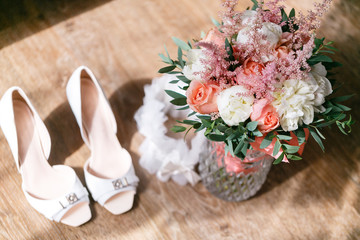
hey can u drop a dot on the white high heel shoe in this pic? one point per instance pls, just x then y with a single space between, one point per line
109 172
55 192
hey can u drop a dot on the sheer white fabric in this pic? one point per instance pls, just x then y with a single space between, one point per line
162 155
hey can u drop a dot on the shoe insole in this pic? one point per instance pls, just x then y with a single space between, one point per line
39 178
108 159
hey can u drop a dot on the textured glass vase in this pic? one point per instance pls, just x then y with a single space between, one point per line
229 178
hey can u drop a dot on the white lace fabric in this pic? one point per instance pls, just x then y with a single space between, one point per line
167 157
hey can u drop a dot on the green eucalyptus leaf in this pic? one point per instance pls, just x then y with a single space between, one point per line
180 43
279 159
239 147
206 123
265 143
184 79
179 101
174 94
284 137
276 148
343 107
191 114
174 72
331 48
200 128
284 16
216 137
215 22
293 157
342 98
292 13
291 148
319 58
245 148
183 108
317 139
206 117
190 122
167 53
300 134
181 61
165 59
256 5
251 126
174 81
166 69
177 129
257 133
230 144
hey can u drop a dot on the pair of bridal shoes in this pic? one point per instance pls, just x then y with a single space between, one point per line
56 191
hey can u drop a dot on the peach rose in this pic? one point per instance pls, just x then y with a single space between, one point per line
216 37
282 51
266 116
201 97
251 67
285 38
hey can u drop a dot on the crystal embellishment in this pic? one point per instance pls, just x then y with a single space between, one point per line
72 198
120 183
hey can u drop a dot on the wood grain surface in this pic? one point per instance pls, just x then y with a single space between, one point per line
42 42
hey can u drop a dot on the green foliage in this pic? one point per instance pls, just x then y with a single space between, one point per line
335 113
256 5
177 129
216 23
238 139
166 69
180 43
288 20
279 159
231 57
318 56
284 16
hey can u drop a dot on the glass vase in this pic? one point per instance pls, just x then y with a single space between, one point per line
230 178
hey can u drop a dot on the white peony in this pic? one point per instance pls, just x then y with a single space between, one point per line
233 107
194 64
248 17
295 103
318 78
271 31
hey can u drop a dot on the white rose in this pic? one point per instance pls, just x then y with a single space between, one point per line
194 64
244 35
233 107
248 17
318 78
271 31
294 103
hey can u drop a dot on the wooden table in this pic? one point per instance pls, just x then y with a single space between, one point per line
42 42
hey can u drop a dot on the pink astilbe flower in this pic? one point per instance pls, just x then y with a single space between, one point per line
260 85
271 11
231 18
217 65
288 60
311 21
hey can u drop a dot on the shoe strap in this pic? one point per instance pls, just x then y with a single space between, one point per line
102 189
73 92
7 122
55 209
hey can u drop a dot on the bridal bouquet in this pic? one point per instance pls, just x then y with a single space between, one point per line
260 79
